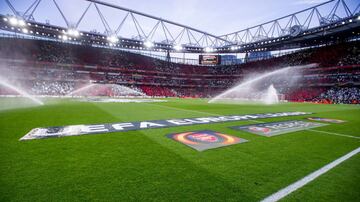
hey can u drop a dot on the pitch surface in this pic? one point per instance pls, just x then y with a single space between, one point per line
145 165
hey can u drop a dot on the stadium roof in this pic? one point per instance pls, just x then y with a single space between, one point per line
134 29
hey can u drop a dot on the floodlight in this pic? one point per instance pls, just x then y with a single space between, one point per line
73 32
5 19
24 30
178 47
208 49
21 23
113 39
64 37
13 21
149 44
233 48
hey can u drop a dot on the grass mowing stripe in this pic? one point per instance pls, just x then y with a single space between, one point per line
330 133
302 182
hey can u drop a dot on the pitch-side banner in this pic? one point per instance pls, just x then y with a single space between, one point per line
278 128
74 130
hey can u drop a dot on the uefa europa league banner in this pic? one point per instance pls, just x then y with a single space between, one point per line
74 130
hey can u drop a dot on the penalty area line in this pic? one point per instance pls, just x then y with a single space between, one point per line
331 133
312 176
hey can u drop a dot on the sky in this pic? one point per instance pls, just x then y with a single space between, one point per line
213 16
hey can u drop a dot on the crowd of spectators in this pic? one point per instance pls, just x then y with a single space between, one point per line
53 68
52 88
352 58
340 95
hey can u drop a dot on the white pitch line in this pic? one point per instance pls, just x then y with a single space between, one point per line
312 176
331 133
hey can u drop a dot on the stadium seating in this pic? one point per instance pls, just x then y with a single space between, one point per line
53 68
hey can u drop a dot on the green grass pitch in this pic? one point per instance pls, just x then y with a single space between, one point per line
146 166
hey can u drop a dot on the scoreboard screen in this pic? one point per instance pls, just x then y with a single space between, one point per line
209 59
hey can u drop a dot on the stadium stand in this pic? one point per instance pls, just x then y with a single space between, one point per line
52 68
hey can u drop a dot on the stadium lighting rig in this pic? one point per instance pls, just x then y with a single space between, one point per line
73 32
209 49
148 44
234 48
25 31
15 21
64 37
113 39
178 47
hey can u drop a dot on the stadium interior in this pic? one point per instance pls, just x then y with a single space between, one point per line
280 98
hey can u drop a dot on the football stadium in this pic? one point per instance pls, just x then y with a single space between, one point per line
181 100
